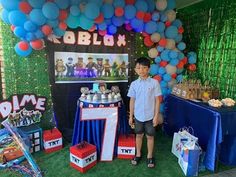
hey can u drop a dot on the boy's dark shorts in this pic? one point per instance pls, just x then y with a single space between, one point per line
144 127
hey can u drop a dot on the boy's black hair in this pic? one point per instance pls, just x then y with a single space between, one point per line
143 61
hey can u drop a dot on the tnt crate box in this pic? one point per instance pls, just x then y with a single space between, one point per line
126 146
83 156
34 132
52 140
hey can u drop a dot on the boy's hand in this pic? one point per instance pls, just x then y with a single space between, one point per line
131 121
155 121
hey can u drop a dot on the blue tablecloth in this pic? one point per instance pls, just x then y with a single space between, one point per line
210 125
92 131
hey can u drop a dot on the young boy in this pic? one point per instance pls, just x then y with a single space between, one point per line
144 108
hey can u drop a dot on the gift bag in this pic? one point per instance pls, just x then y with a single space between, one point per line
189 160
182 137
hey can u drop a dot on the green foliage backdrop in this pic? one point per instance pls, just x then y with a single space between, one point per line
210 31
24 75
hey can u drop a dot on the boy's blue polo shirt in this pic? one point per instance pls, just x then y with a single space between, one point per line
144 92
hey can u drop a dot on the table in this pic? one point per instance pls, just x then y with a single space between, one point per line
214 127
92 130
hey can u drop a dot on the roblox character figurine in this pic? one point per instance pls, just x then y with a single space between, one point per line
122 69
70 67
107 67
99 67
114 68
90 66
80 68
60 68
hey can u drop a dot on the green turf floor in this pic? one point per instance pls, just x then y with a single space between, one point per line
57 164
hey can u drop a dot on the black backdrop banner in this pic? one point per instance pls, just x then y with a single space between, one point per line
65 95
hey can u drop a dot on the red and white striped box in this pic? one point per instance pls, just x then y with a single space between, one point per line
52 140
83 156
126 146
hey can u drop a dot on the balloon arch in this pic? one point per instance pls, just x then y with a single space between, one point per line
33 21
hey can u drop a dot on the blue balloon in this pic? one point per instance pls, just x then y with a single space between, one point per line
47 10
107 10
161 70
159 48
180 56
150 27
62 4
179 78
39 34
129 12
192 59
72 21
85 23
177 23
157 59
102 26
178 38
17 18
141 5
111 29
10 5
171 4
160 27
98 2
151 5
181 46
59 32
153 69
192 54
91 11
22 53
179 70
36 3
163 83
53 23
4 16
30 36
37 17
155 16
163 17
171 32
20 32
74 10
162 106
118 3
30 26
118 21
74 2
165 55
173 54
174 62
139 29
167 77
108 21
136 23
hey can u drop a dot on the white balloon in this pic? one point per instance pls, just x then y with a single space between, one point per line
155 37
170 69
170 44
171 15
152 53
161 5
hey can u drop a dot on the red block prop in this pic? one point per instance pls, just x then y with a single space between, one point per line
52 140
126 147
83 156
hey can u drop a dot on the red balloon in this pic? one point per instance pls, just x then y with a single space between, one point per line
12 28
99 19
25 7
168 23
119 11
180 65
160 98
184 60
147 41
192 67
37 44
46 29
102 32
162 42
163 63
62 25
181 30
130 1
63 15
147 17
140 15
157 77
144 34
23 45
174 75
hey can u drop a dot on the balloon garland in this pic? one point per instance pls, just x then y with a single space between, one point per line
32 21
